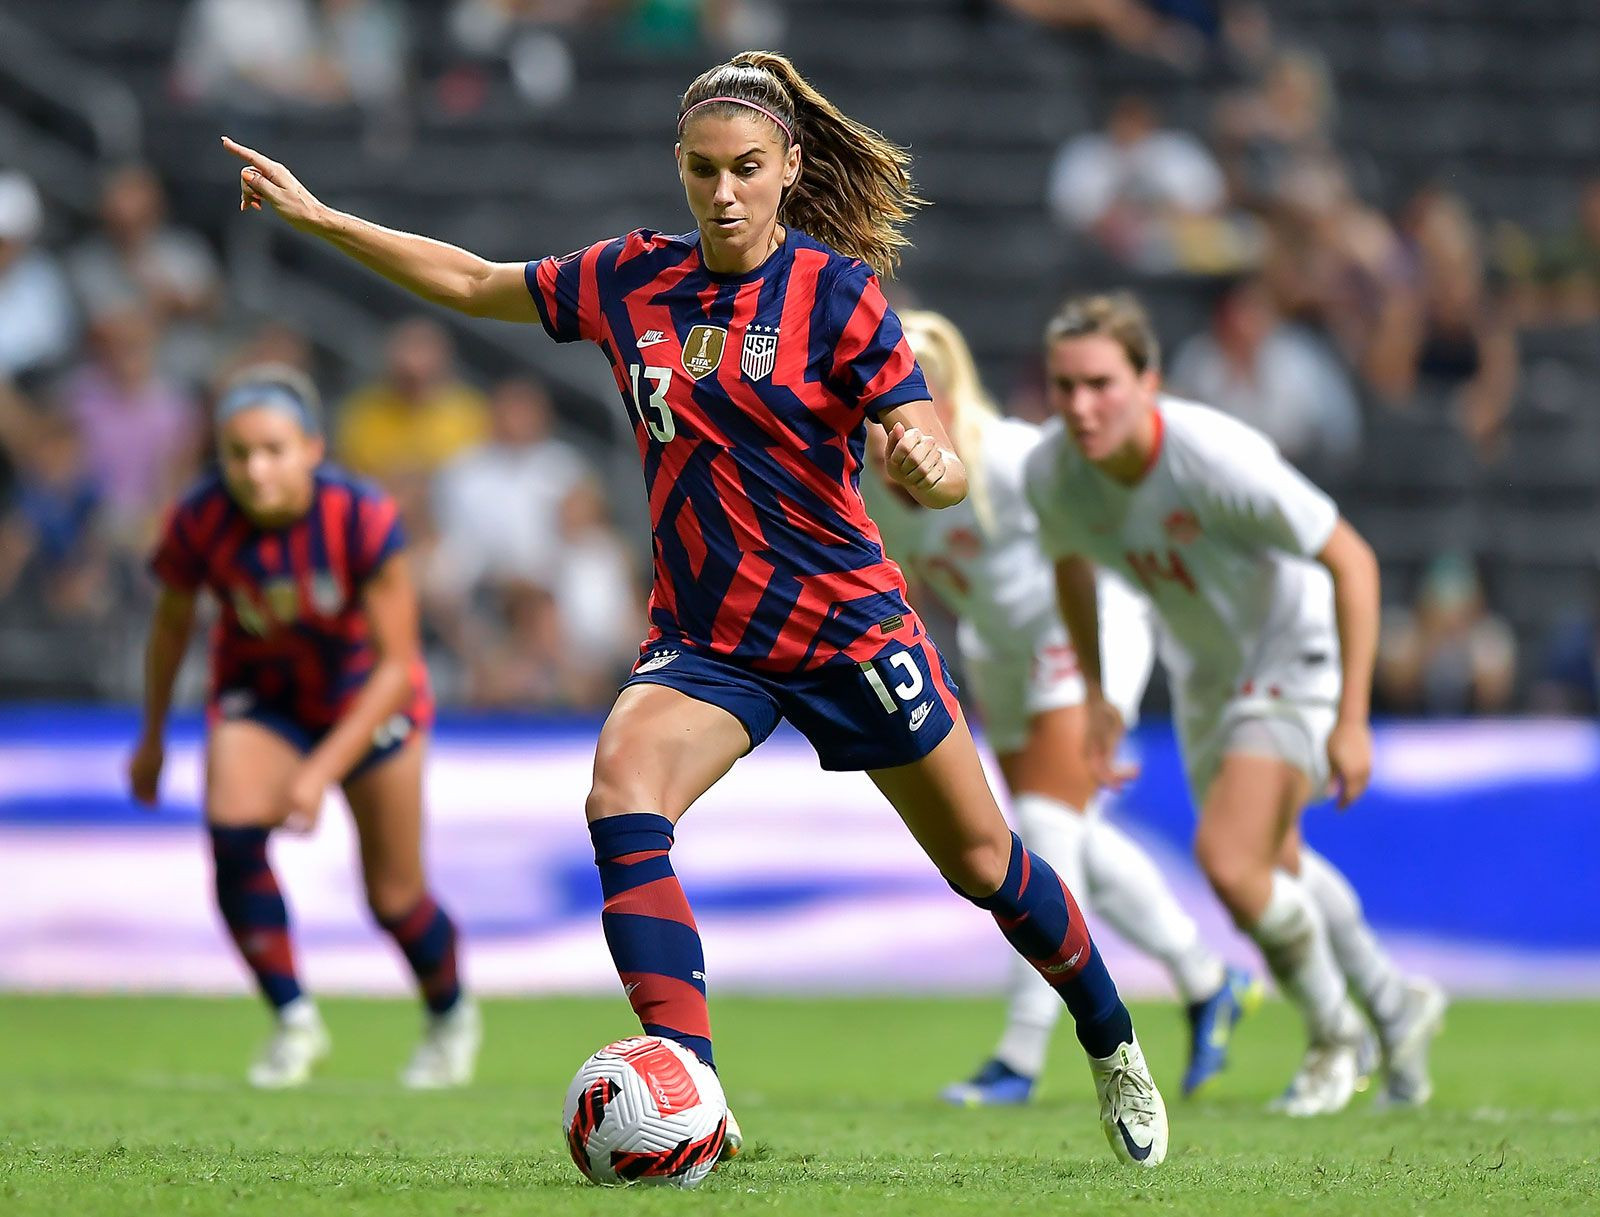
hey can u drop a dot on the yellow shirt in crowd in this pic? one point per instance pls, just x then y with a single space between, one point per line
383 435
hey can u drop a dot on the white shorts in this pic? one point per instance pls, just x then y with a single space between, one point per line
1286 730
1009 691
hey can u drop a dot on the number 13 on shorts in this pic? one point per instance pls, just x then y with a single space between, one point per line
905 679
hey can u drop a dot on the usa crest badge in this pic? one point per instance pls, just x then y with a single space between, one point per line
760 351
702 350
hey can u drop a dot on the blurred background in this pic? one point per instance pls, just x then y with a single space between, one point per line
1371 229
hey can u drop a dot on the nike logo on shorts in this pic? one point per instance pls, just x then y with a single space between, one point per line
920 714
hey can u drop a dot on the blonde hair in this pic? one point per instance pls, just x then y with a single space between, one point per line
854 192
947 361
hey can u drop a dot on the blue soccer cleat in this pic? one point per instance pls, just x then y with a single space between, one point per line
995 1085
1211 1024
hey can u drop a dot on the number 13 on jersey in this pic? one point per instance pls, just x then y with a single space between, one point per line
652 407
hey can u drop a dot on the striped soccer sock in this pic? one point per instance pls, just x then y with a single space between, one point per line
1039 917
252 908
650 929
427 938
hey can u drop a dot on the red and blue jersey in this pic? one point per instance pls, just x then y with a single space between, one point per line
292 631
749 394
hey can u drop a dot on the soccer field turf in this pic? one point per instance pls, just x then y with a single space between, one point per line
136 1105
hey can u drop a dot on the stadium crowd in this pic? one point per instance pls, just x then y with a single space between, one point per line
1323 306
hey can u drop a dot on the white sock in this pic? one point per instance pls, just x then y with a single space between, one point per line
1294 942
1132 895
1056 833
1378 984
301 1012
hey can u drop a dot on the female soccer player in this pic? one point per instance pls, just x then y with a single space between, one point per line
752 353
1268 602
982 559
316 678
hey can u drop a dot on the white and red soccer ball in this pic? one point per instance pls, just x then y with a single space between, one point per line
645 1110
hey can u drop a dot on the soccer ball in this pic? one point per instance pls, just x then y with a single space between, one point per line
645 1110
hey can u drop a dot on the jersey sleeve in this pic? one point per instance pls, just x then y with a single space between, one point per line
566 291
1043 491
377 534
873 366
177 560
1261 499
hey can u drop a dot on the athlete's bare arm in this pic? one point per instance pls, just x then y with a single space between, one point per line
441 273
1356 603
390 601
1078 598
170 627
920 455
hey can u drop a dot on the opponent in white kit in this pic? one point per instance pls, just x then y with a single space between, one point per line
982 559
1267 603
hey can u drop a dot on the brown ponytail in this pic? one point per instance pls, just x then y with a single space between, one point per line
854 191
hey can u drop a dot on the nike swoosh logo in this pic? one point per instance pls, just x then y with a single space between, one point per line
647 342
1138 1154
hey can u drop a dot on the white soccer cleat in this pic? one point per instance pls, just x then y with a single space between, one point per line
1131 1110
1328 1077
1406 1043
298 1043
448 1053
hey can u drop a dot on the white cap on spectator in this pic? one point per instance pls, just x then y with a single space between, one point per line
20 209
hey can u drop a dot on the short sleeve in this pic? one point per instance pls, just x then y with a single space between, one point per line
566 292
873 366
1263 500
1043 493
378 534
177 561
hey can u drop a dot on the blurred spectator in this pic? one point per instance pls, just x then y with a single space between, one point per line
37 325
1175 31
597 594
1277 377
1560 281
1446 336
417 415
682 24
283 54
520 662
1264 131
140 431
1569 677
1448 655
1150 197
499 504
138 261
1331 261
533 37
50 542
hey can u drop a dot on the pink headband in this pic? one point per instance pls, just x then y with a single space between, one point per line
737 101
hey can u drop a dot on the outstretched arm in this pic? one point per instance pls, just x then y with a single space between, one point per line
432 269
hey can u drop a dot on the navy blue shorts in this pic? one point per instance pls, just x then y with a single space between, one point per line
890 710
240 705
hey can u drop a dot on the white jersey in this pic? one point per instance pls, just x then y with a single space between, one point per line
1220 535
997 583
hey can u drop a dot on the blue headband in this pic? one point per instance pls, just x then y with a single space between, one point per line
273 396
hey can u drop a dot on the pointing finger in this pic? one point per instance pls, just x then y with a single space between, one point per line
263 164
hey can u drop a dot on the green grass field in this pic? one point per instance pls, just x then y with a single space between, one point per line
132 1106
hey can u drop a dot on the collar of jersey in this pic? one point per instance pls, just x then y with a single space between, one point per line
748 276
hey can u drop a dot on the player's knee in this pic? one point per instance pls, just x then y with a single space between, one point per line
390 899
1233 874
978 869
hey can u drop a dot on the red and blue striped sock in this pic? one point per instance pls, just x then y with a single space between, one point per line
427 938
252 908
1039 917
650 929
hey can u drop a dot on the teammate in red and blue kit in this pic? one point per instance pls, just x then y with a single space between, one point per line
316 678
752 353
